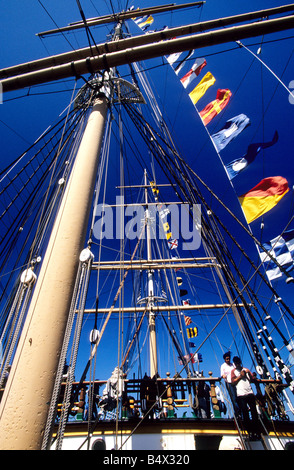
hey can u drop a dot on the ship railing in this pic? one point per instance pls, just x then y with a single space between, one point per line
165 399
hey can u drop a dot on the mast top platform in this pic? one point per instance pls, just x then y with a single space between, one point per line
121 90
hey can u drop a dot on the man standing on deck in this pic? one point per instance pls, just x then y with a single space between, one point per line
225 371
242 379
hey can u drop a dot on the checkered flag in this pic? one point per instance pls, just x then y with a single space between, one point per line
282 249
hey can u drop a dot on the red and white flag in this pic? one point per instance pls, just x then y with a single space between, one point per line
188 320
172 244
198 65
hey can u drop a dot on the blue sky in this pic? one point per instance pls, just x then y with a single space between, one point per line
255 92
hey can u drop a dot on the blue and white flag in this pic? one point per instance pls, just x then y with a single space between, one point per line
240 164
232 128
281 248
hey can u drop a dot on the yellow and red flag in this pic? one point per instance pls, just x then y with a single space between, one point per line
263 197
216 106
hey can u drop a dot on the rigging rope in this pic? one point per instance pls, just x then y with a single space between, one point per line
267 67
148 129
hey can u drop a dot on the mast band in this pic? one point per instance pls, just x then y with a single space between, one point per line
104 58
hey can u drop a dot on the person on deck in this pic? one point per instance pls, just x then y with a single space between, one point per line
225 372
203 396
242 378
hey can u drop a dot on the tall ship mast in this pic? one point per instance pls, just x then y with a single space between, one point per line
134 261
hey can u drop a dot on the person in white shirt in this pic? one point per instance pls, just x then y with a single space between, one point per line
225 371
242 378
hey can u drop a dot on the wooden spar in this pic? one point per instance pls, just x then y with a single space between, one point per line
97 264
25 403
151 51
183 263
165 308
123 44
121 17
146 11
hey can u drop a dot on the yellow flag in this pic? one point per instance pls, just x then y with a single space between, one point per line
192 332
207 81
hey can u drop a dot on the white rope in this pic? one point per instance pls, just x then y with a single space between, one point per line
267 67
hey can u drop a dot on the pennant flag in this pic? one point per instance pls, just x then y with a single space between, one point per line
188 320
182 63
281 249
235 167
192 332
207 81
232 128
216 106
198 65
145 24
179 281
263 197
191 345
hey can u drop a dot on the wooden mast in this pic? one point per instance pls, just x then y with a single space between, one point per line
150 287
25 403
